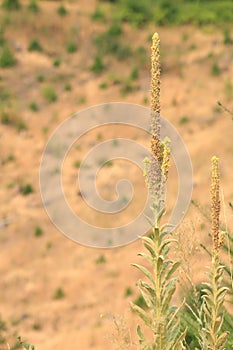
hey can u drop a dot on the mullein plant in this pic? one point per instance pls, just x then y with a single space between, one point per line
161 317
211 314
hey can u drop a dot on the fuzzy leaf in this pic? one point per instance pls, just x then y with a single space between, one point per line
165 243
140 333
170 272
146 297
169 291
150 249
147 320
145 271
147 257
148 240
148 287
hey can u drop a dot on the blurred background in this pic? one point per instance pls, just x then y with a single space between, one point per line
57 58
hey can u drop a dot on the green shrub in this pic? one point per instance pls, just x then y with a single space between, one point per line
108 42
59 294
98 65
20 125
215 70
62 11
34 107
38 231
40 78
134 74
227 37
98 15
35 46
11 4
5 119
67 87
77 164
100 260
103 86
184 120
71 47
49 93
26 189
33 6
57 62
7 59
128 292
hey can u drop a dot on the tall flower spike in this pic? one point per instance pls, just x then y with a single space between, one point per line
215 205
155 171
155 96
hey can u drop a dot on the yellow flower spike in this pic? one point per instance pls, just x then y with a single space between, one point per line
155 74
215 204
166 158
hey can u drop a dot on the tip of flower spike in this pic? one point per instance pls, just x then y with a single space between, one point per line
155 37
214 159
155 41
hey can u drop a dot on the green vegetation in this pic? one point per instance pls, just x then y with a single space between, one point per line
103 86
34 107
26 189
215 69
128 292
77 164
98 65
7 59
184 120
228 40
98 15
109 42
35 46
38 231
33 6
100 260
20 125
134 74
5 119
49 93
59 294
81 100
62 11
57 62
40 78
71 47
67 87
11 4
165 12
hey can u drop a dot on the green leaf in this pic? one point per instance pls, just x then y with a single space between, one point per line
146 296
147 320
145 271
150 249
169 291
148 240
171 271
148 287
147 257
165 243
140 333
